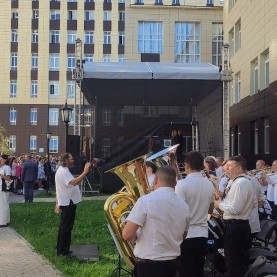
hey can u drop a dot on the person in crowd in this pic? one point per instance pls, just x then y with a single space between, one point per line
198 193
272 190
151 169
210 166
29 177
68 195
157 246
41 173
224 180
19 183
174 137
237 207
12 164
260 174
219 170
5 177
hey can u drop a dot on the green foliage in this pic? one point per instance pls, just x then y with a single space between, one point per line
38 224
4 142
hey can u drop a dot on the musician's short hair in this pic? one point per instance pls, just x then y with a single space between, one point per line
195 160
241 161
152 165
167 175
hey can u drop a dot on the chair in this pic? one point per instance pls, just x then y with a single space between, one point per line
268 226
259 262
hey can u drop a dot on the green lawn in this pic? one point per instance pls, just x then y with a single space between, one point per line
38 224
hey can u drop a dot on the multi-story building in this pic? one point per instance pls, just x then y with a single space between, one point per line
250 30
38 40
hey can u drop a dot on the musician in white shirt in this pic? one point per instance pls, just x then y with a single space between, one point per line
237 207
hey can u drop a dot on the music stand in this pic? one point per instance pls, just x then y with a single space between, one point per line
118 271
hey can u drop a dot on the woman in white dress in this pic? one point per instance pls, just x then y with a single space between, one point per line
5 173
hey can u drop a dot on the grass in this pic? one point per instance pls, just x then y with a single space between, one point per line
38 224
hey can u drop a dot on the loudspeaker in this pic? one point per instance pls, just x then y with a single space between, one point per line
73 145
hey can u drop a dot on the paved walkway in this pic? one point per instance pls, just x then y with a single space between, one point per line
17 256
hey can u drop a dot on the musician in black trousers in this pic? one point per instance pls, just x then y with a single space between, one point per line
237 207
158 222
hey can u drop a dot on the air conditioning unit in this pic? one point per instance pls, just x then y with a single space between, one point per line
167 142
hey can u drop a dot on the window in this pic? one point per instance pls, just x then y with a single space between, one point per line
70 89
121 1
13 88
238 139
89 15
120 121
14 14
121 16
139 1
34 61
89 1
187 42
13 116
34 36
71 37
55 14
265 69
217 42
70 61
266 136
54 144
107 37
232 42
34 89
256 137
106 116
13 61
53 116
72 15
121 36
54 88
54 62
14 36
238 35
33 144
150 37
12 143
34 116
88 57
106 147
158 1
175 2
107 16
121 58
89 37
88 117
232 3
254 76
54 36
35 14
106 58
237 88
150 111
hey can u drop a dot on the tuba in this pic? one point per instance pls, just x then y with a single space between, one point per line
118 206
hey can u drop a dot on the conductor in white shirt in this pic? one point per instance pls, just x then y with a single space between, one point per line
67 196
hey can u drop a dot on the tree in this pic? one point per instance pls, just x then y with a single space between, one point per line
4 142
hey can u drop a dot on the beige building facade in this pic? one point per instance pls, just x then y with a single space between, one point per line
38 53
250 28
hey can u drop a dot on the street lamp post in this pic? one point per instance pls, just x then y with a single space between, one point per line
48 136
66 112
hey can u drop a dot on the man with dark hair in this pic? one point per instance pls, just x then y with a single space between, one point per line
198 193
68 195
29 176
237 207
157 244
151 169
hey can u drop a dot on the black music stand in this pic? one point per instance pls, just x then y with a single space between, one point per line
119 270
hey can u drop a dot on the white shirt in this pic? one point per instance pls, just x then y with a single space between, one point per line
6 171
270 196
219 171
273 181
254 221
151 179
239 201
198 193
222 183
64 191
163 218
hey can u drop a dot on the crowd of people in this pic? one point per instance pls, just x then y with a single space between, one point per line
22 175
168 238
